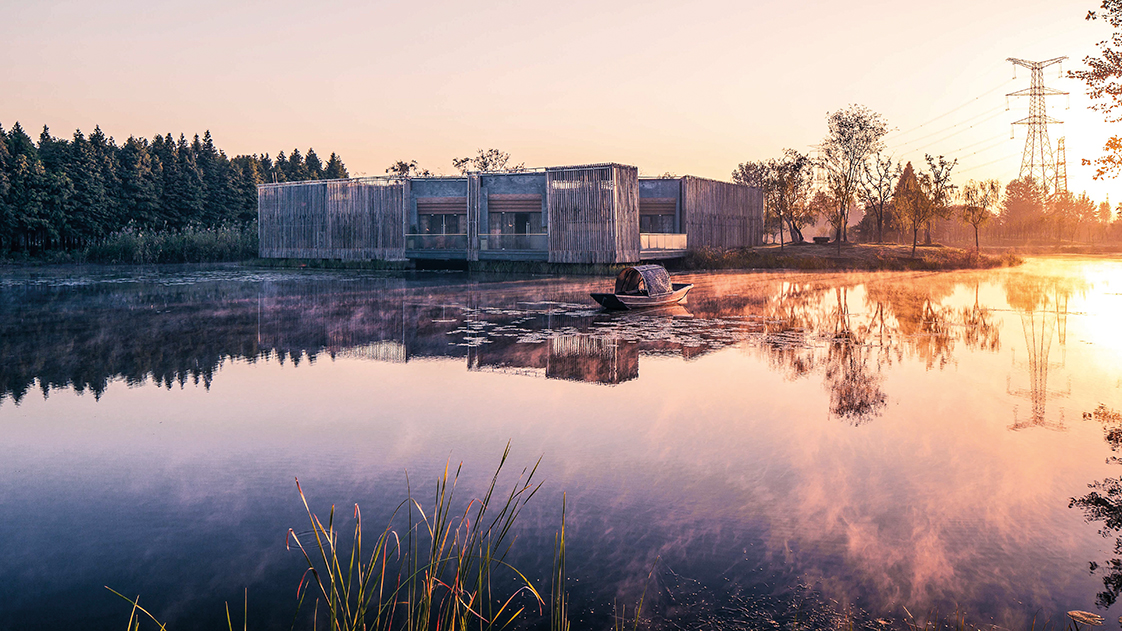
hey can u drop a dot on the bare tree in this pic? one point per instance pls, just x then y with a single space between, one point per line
786 183
822 205
978 199
939 189
911 202
401 168
877 185
489 161
794 178
855 133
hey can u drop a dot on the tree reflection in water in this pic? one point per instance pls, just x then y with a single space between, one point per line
85 337
1104 504
855 389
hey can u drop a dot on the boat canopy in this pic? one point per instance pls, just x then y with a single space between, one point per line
654 278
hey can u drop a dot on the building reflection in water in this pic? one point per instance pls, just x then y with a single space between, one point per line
802 325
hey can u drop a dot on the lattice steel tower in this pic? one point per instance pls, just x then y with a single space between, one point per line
1061 166
1038 160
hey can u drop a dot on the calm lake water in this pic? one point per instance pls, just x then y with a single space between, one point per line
787 446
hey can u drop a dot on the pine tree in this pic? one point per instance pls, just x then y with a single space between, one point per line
53 152
213 171
335 169
296 170
19 143
7 217
89 209
246 178
29 194
105 150
140 200
58 204
313 165
280 168
189 195
164 150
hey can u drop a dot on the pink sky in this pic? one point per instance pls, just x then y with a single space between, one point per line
668 86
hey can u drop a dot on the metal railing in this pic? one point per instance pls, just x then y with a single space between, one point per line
436 242
662 241
535 241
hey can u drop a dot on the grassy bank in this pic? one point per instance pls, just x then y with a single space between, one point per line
848 257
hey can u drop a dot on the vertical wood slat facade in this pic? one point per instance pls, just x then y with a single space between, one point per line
720 214
338 219
593 214
474 203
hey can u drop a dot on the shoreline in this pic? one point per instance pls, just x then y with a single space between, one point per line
849 257
800 257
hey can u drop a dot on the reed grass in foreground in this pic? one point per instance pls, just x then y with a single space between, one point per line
427 569
436 568
439 574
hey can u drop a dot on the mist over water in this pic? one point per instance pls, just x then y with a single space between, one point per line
819 447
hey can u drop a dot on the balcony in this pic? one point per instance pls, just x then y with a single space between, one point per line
514 242
436 246
514 247
661 245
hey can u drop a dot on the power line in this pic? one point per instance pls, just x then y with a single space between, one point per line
982 150
950 127
951 135
952 111
1006 157
975 144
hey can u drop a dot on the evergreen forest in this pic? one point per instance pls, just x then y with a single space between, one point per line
159 200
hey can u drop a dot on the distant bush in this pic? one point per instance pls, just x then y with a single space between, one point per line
189 245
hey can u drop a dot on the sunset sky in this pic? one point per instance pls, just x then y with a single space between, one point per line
682 87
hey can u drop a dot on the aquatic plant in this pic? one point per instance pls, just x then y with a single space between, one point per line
439 574
138 613
559 600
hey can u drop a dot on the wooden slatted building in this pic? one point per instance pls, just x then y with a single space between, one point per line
599 213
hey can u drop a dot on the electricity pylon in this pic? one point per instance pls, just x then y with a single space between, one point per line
1061 167
1037 160
1042 323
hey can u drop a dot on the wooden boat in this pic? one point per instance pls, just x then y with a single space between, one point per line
643 286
